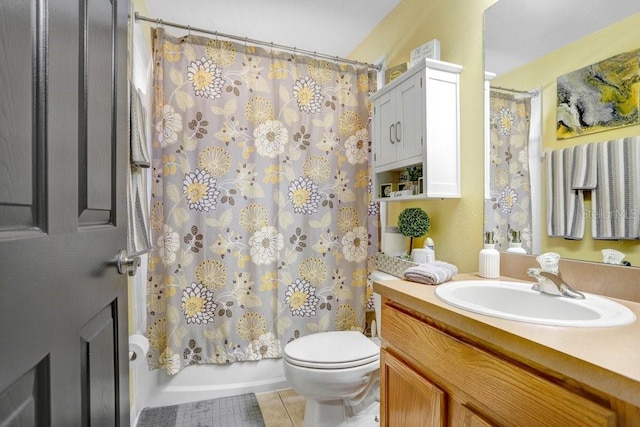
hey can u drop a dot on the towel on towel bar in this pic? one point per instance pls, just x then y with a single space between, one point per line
431 273
616 200
565 206
138 238
584 170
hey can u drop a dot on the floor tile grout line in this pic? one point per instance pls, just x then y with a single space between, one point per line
286 409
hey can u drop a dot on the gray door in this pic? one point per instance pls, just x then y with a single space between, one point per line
63 145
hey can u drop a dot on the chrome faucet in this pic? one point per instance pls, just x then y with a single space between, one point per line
550 280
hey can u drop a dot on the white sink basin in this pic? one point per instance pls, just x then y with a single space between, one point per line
517 301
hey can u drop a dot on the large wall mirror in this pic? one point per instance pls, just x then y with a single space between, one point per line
528 46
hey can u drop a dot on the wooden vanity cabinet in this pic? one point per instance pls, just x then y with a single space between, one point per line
432 377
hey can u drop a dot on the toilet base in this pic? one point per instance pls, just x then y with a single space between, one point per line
333 413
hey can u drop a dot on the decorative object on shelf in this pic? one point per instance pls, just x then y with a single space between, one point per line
599 97
402 193
394 72
420 186
386 190
414 173
430 49
402 186
413 222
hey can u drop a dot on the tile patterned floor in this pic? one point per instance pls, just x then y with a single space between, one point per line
284 408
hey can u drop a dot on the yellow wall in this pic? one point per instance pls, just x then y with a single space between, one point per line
621 37
456 225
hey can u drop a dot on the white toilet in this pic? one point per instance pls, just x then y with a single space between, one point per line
338 373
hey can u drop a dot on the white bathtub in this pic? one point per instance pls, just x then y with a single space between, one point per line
200 382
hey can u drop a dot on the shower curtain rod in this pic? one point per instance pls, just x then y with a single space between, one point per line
506 89
189 28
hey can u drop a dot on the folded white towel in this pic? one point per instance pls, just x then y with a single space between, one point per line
431 273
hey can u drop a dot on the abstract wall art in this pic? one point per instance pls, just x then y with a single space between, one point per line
599 97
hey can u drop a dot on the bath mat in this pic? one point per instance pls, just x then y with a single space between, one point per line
233 411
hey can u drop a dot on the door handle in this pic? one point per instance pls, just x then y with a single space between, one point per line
126 264
391 129
398 138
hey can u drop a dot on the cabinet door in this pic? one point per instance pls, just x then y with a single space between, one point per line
442 161
384 128
408 399
410 119
515 396
464 416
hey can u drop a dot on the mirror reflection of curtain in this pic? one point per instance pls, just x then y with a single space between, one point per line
262 220
509 205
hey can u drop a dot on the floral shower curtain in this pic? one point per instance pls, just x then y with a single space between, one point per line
509 207
262 221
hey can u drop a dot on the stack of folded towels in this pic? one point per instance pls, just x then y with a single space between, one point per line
431 273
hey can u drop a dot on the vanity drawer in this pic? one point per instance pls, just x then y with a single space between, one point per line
507 394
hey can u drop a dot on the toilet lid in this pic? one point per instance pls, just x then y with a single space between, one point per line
332 350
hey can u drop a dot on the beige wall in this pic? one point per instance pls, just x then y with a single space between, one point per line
456 225
621 37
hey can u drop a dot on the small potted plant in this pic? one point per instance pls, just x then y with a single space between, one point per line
414 173
413 222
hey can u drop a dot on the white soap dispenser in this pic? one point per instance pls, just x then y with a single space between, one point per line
489 260
516 244
431 253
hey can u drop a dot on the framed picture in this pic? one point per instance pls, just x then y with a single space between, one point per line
394 72
428 50
420 189
599 97
402 186
386 190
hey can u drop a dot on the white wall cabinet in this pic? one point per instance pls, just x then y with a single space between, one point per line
416 123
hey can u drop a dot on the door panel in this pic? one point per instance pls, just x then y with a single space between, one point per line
384 127
18 114
98 356
411 112
27 399
96 134
63 145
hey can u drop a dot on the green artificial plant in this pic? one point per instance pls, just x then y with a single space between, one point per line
413 222
413 173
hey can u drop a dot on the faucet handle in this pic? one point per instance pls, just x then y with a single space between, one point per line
549 261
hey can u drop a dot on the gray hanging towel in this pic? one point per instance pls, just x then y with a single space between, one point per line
616 200
565 206
138 133
139 240
584 171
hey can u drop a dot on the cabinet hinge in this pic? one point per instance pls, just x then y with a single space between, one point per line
420 81
422 141
375 157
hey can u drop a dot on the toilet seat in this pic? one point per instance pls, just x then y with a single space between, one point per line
332 350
